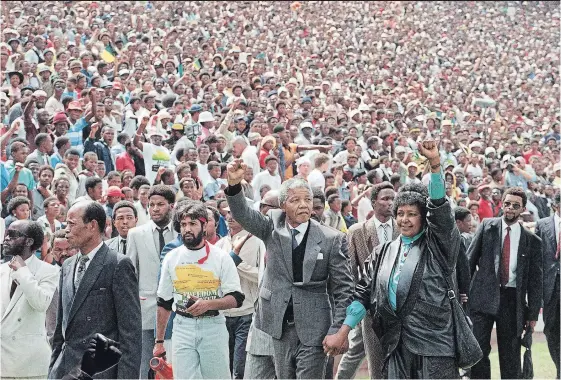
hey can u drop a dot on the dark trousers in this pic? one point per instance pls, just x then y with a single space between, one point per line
403 364
238 328
551 329
507 340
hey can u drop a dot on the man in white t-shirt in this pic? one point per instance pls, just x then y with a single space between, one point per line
270 177
155 155
197 281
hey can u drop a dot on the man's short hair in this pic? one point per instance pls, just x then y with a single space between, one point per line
516 191
92 182
95 211
124 204
15 202
376 189
460 213
138 181
163 191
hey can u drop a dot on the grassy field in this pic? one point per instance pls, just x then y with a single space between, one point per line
543 365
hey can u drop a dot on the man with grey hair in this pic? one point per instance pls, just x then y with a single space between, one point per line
307 263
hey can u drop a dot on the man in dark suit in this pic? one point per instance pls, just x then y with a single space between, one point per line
463 222
98 293
549 230
506 288
306 264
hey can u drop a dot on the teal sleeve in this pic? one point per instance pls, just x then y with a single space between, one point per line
437 190
355 313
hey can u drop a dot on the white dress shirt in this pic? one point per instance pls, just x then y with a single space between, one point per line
515 231
380 230
169 234
91 255
301 229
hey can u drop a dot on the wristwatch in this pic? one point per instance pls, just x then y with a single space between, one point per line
158 341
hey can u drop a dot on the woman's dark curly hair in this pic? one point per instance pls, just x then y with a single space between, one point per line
412 195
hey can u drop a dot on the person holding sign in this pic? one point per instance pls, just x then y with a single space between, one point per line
197 280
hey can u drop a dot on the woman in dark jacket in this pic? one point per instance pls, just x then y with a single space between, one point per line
404 284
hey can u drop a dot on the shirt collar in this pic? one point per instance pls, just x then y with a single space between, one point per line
168 226
377 222
513 228
93 252
301 228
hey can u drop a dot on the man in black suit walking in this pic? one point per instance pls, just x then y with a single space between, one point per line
549 230
506 288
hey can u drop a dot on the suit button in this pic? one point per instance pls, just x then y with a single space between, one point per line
19 319
84 341
89 319
285 301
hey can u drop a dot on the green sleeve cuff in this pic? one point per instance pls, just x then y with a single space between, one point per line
437 190
236 258
355 314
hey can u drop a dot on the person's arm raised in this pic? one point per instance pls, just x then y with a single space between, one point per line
251 220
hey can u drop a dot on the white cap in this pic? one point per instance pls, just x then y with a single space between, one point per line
205 116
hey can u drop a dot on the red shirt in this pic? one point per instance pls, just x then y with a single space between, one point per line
530 154
485 209
124 161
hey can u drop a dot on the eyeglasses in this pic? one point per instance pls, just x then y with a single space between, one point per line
515 206
14 234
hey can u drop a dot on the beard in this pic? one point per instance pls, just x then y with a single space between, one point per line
193 242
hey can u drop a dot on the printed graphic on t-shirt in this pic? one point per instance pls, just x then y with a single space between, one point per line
192 280
160 158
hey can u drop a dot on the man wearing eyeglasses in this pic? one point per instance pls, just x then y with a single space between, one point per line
27 286
506 288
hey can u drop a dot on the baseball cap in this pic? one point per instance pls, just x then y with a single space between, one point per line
75 105
114 191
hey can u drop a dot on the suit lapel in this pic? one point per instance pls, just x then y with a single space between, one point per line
5 283
551 233
90 277
285 241
395 230
371 237
149 240
312 250
406 275
385 272
33 266
521 252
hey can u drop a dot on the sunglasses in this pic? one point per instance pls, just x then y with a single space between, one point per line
515 206
14 234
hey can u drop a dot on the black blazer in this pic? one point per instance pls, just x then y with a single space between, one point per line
427 330
484 256
106 302
545 229
463 275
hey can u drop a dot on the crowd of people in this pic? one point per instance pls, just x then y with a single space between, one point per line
250 189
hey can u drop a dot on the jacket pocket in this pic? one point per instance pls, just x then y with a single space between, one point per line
431 314
265 294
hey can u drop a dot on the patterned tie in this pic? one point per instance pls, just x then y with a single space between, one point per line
161 238
294 242
124 249
385 228
81 271
505 259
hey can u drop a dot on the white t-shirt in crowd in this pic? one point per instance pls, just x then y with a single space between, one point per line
154 157
316 179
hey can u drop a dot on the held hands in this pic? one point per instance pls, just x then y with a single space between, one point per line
338 343
102 353
159 351
236 171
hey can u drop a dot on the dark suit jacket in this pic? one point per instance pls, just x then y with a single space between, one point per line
427 330
106 302
545 229
484 256
463 276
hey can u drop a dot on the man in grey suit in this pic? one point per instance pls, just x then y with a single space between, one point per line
98 293
144 246
304 260
125 217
